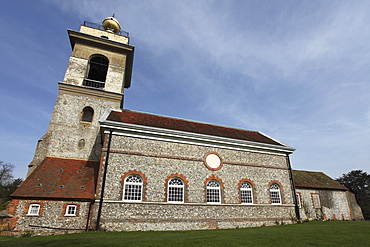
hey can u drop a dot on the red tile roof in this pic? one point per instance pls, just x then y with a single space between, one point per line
317 180
146 119
61 178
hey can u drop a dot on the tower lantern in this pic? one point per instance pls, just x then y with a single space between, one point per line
110 24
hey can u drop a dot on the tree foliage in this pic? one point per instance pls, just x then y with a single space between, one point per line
8 184
358 182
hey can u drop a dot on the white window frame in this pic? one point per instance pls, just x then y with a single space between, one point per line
176 189
34 209
68 208
212 190
246 192
275 194
298 198
136 187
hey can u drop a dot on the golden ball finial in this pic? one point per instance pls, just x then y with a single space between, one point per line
110 24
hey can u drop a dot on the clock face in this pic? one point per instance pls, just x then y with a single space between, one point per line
213 161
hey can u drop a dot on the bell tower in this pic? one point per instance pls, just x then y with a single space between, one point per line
101 59
99 69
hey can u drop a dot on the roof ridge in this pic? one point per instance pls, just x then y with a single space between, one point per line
188 120
137 118
308 171
315 180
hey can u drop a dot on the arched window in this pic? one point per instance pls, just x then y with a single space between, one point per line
133 188
213 192
246 193
175 190
98 67
275 194
87 114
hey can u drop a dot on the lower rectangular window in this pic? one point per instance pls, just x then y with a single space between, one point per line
246 196
298 198
316 201
132 192
275 197
34 209
71 210
213 195
175 194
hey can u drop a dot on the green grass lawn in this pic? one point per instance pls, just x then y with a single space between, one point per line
316 233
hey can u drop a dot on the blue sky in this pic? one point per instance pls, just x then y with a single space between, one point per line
298 71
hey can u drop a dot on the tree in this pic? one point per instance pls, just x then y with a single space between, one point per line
8 184
358 182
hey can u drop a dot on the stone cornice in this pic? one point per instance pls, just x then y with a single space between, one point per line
66 88
98 40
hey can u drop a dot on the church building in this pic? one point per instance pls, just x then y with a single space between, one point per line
103 167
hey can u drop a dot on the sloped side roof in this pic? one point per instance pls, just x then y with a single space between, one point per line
61 178
150 120
317 180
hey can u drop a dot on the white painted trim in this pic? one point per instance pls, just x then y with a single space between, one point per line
176 186
126 183
276 140
71 206
201 204
155 133
30 209
105 115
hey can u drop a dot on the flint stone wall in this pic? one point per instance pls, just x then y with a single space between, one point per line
157 160
356 211
51 216
67 129
159 217
334 205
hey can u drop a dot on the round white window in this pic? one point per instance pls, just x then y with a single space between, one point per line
213 161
